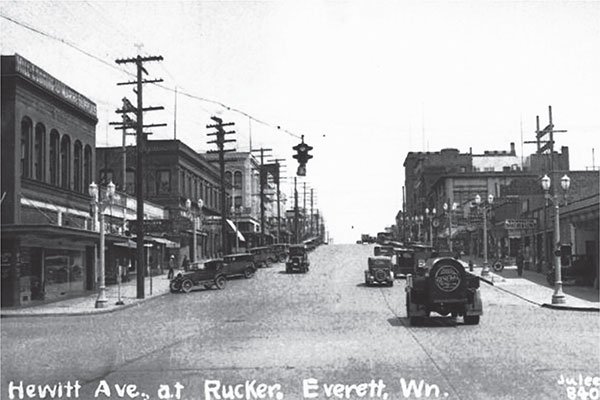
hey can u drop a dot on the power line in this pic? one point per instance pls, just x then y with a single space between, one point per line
179 91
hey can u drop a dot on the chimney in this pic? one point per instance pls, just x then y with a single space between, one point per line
512 148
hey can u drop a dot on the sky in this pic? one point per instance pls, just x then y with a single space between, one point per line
365 82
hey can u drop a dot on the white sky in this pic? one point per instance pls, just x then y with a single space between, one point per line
364 81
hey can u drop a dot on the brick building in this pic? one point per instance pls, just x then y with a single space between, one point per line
174 173
48 142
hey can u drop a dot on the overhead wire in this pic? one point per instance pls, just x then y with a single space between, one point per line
179 89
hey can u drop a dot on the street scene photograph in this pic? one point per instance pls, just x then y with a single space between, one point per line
252 199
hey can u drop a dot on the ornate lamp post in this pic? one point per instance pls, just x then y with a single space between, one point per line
99 207
430 218
452 209
192 216
558 297
485 207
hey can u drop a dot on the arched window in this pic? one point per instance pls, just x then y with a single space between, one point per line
25 145
39 152
77 167
228 177
87 167
65 162
54 141
237 180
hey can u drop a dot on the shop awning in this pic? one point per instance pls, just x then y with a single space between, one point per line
235 229
169 243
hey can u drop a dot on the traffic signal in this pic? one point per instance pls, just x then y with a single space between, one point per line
302 156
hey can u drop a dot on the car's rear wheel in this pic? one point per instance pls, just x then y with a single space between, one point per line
220 282
248 272
471 319
187 285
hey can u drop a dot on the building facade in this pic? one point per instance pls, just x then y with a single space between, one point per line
48 142
173 174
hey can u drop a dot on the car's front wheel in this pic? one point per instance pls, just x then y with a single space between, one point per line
220 282
248 273
187 285
174 286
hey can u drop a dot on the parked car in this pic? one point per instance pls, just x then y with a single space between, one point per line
280 250
214 272
241 264
404 261
298 259
208 274
263 256
379 271
443 286
384 250
577 271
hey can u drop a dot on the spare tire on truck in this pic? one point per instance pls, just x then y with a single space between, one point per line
447 280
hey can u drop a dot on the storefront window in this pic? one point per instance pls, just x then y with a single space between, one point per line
64 272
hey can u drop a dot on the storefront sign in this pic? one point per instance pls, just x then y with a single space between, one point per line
45 80
520 224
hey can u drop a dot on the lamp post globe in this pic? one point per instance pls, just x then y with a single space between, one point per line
546 183
93 191
477 199
490 198
565 182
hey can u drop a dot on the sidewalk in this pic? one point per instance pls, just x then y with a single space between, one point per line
85 305
532 287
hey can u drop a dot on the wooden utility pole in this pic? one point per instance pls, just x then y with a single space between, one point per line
296 236
140 151
311 212
277 173
220 142
263 182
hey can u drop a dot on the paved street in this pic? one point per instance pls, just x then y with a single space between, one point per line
283 330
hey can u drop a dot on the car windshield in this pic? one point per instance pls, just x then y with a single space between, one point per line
297 251
379 262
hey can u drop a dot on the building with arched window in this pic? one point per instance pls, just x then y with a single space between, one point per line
48 147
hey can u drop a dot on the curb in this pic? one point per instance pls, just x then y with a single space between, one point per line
569 308
81 313
543 305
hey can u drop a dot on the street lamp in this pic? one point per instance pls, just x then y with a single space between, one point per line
99 207
485 206
452 209
235 221
192 216
419 220
430 218
558 297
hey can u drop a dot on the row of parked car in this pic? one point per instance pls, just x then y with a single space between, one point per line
435 282
215 272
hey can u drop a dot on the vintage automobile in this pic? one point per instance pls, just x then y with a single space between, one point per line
263 256
380 271
384 250
443 286
280 251
208 273
404 261
214 272
298 259
575 270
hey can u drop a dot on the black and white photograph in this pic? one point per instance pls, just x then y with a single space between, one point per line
300 200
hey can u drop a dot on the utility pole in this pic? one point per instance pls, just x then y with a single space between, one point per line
220 141
263 182
311 212
140 151
277 172
295 213
304 212
543 146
